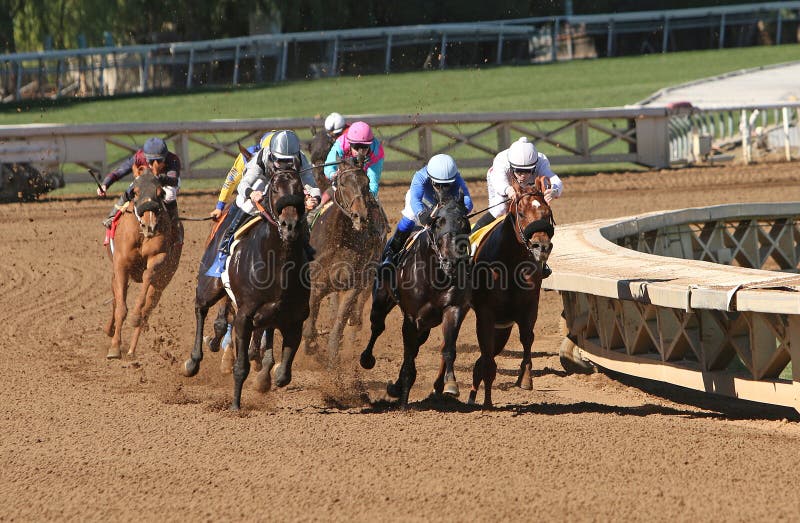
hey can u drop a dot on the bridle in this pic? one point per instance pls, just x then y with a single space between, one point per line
545 226
446 264
268 213
341 203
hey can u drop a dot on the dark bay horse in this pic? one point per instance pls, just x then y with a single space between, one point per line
268 279
146 250
432 287
507 279
348 238
318 150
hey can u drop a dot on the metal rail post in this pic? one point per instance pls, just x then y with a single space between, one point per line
387 61
236 66
786 145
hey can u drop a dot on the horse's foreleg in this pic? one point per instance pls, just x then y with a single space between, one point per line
346 302
408 370
152 297
451 324
485 368
109 328
256 350
192 365
120 311
264 376
526 336
382 303
243 328
291 341
220 326
310 326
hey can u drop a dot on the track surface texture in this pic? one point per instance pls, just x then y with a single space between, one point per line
84 438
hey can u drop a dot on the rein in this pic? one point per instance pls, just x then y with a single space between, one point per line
525 241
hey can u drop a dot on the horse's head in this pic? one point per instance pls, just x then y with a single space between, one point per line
148 201
352 196
450 233
285 201
533 221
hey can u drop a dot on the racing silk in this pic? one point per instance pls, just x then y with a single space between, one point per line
498 179
226 194
170 179
374 164
255 179
421 195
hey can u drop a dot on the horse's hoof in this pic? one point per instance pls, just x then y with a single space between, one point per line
367 360
571 359
451 389
190 368
114 354
283 379
525 383
234 407
263 381
393 390
472 395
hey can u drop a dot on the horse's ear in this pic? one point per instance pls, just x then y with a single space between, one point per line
540 184
313 131
245 153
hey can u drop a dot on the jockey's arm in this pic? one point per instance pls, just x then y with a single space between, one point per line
330 170
309 183
467 198
417 191
251 175
543 169
124 169
497 177
374 172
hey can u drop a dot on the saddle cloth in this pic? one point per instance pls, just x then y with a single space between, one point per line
477 237
112 231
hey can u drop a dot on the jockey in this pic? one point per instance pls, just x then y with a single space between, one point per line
359 143
440 177
164 164
335 125
524 163
226 194
283 153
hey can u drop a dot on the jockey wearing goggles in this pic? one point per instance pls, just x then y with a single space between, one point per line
358 143
437 179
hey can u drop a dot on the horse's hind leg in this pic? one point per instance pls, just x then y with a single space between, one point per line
256 351
310 333
151 300
451 324
109 328
485 368
382 303
264 376
220 326
120 312
243 328
408 370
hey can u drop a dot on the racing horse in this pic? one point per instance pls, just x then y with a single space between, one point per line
267 271
432 286
146 250
348 238
507 280
318 149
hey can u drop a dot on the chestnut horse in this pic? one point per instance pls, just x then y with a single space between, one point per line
267 270
146 250
432 287
507 280
348 239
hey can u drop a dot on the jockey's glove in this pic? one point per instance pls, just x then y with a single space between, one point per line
424 217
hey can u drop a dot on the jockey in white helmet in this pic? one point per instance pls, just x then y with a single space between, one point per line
335 125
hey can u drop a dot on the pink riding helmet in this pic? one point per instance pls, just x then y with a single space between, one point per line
360 132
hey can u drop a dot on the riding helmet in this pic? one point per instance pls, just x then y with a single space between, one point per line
442 169
284 145
155 149
334 123
522 154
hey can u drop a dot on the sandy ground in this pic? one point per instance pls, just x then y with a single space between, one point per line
89 439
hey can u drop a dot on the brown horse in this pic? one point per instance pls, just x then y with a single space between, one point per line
318 150
268 278
432 287
145 250
348 238
507 279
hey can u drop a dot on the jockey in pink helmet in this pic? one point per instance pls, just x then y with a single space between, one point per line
358 142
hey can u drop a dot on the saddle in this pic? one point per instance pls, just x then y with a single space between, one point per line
316 216
477 237
243 229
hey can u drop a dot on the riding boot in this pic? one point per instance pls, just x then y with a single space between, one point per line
123 199
393 248
483 221
236 221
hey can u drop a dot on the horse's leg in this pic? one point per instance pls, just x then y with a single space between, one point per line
358 309
109 328
318 293
484 325
120 311
334 310
264 376
243 327
451 324
220 327
205 298
526 337
228 351
291 341
256 350
408 370
346 302
152 297
382 303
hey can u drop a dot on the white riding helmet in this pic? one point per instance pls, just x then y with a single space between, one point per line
522 154
442 169
284 145
334 123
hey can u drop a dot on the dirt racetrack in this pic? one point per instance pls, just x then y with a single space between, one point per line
88 439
